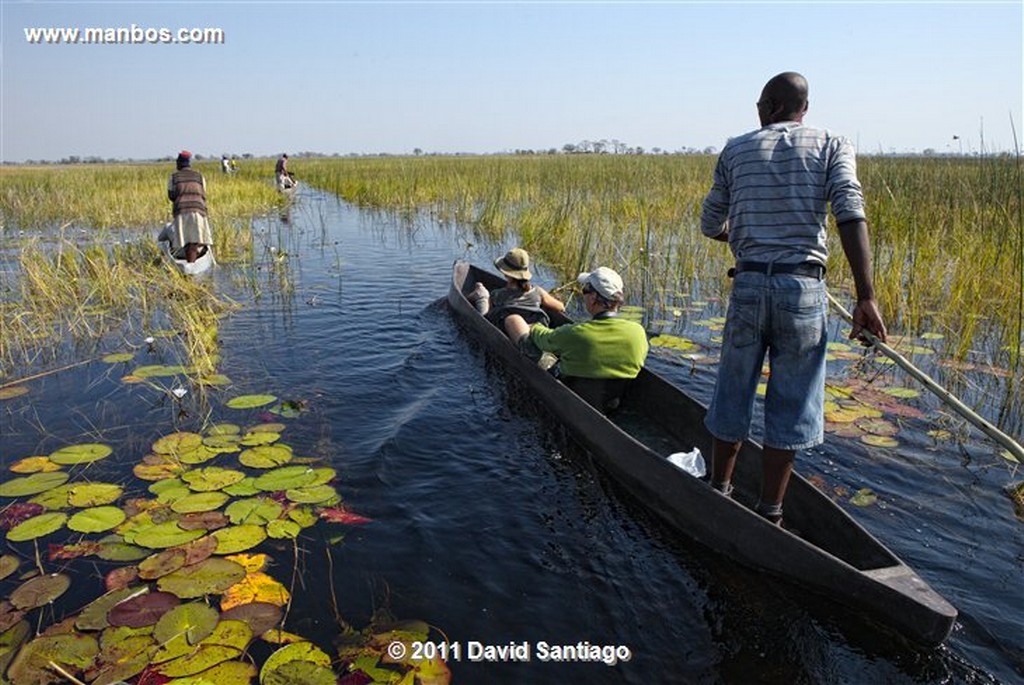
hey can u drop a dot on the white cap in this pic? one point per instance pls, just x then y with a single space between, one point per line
605 281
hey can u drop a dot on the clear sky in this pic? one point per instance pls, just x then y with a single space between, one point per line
373 77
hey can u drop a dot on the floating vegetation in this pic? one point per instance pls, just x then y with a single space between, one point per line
864 497
190 593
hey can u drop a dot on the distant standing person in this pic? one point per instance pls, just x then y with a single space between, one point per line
225 164
284 178
190 229
769 199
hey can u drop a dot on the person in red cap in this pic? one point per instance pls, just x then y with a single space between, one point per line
190 231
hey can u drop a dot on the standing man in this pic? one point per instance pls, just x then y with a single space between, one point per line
284 179
187 190
769 200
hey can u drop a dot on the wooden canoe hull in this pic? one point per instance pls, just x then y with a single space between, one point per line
835 556
201 265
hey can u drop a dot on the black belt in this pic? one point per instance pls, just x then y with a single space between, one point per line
770 268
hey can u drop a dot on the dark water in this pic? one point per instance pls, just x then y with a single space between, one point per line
492 527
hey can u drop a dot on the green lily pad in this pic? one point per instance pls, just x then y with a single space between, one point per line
114 548
80 454
300 672
37 527
194 620
200 501
283 529
299 651
261 438
259 616
159 371
250 401
211 478
118 357
124 659
96 520
93 494
254 510
40 591
33 484
243 488
11 641
70 651
267 428
266 456
864 497
55 499
12 391
312 494
303 516
234 539
285 477
163 535
203 658
199 455
176 443
211 576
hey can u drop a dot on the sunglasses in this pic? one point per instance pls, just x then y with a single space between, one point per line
587 289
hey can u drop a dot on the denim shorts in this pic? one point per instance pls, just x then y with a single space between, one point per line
784 316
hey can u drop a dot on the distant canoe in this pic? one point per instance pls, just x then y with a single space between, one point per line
201 265
833 556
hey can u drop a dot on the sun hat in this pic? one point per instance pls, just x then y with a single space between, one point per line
515 264
605 281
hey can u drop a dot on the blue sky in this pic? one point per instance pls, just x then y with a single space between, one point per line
486 77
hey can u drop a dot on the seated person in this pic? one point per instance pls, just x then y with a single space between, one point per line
529 302
596 357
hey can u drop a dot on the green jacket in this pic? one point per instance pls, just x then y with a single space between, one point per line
609 347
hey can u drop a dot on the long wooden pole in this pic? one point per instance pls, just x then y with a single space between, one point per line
946 396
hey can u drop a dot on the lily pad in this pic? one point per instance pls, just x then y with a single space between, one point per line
142 610
864 497
8 565
176 443
215 379
12 391
879 440
255 587
114 548
94 615
313 494
54 499
300 651
255 510
163 535
211 576
243 488
94 494
40 591
37 527
267 428
261 438
259 616
194 621
33 484
203 658
118 357
34 465
285 477
80 454
300 672
250 401
283 529
96 520
265 456
33 663
223 429
159 371
200 502
902 393
211 478
238 538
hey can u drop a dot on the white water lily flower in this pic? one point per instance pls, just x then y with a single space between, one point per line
150 340
179 392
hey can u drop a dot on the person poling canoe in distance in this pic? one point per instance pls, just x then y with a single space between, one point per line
596 358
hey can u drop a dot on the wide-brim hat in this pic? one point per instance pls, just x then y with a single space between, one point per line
605 281
515 264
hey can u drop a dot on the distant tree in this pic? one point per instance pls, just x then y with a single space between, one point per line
711 150
928 152
417 151
569 149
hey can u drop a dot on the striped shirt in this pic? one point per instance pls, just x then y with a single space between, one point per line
774 186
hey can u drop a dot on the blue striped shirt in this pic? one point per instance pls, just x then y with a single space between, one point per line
774 186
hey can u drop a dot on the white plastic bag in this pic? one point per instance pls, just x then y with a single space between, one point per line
692 462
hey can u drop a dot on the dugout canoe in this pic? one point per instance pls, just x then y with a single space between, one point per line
833 556
201 265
